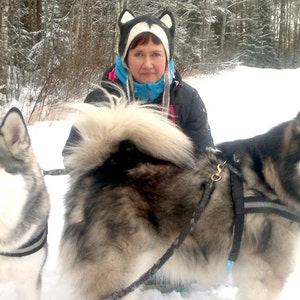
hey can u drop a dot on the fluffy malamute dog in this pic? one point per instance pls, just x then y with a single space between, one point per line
24 209
134 184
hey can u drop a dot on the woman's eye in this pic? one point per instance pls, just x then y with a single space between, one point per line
156 54
138 54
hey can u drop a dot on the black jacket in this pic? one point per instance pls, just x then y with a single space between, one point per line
189 110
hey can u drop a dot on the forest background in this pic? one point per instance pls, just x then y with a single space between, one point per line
54 51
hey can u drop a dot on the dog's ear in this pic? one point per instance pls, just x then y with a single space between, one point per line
298 116
298 122
14 131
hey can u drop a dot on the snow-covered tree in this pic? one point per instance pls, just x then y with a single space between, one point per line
57 49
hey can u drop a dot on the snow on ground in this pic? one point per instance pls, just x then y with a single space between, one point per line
241 103
248 101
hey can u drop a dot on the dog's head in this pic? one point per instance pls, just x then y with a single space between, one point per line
269 162
21 179
16 154
289 158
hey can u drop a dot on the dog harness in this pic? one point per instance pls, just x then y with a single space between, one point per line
252 205
31 247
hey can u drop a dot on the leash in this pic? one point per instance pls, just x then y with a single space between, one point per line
55 172
208 190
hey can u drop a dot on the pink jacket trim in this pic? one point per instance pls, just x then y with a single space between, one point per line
112 75
172 113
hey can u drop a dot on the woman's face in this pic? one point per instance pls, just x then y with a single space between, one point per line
147 62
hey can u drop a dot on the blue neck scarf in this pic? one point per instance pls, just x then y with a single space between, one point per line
143 91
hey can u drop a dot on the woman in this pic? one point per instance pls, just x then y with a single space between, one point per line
145 70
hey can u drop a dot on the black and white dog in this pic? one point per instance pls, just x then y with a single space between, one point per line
24 209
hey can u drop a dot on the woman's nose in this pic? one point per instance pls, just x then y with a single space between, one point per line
147 62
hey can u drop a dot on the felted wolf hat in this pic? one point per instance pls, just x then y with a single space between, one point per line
131 26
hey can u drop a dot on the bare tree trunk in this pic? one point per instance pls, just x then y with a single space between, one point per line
39 18
223 32
203 31
120 5
4 52
282 28
295 44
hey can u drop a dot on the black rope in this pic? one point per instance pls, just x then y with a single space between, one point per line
209 188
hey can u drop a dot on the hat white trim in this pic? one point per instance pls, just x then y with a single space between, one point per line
144 27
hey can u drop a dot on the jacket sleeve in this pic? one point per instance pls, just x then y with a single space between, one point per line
97 95
102 94
193 119
94 96
198 127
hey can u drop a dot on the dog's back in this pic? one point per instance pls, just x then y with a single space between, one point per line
134 185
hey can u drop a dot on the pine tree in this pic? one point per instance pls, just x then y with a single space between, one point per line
258 43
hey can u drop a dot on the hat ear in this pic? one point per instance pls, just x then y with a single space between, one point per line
167 18
125 17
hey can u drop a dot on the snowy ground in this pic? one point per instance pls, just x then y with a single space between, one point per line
240 103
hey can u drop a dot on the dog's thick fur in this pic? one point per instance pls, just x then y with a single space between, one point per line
134 185
24 207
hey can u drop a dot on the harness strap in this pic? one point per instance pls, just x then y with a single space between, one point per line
252 205
263 205
31 247
239 214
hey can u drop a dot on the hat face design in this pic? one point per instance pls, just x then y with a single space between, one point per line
131 26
